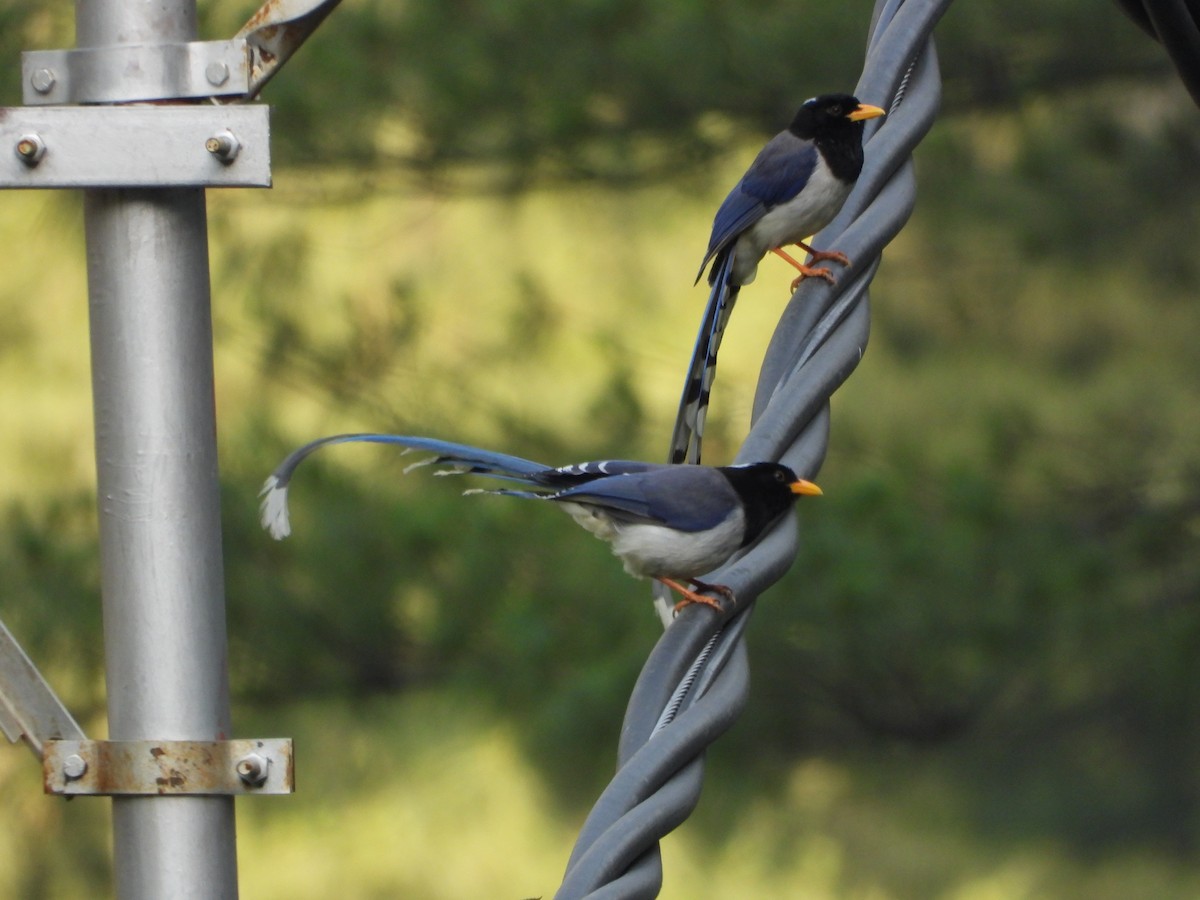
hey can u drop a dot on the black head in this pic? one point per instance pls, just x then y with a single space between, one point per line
831 115
767 490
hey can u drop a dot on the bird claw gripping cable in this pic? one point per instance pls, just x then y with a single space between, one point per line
696 680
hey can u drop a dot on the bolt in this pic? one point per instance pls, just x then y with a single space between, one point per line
30 149
252 769
223 146
42 80
217 73
74 767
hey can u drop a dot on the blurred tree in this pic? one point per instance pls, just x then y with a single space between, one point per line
629 90
618 90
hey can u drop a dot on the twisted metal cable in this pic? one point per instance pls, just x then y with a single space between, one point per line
696 680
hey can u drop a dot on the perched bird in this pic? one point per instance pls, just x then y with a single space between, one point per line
670 523
793 189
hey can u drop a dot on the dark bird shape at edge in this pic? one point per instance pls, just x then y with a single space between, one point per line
666 522
793 189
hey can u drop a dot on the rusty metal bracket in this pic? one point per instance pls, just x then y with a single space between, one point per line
275 33
73 766
107 768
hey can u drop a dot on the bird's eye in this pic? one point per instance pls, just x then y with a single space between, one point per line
835 111
779 476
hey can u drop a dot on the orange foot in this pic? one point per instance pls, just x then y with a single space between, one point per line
817 256
690 596
824 255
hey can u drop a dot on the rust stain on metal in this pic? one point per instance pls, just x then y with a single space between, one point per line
163 767
289 764
265 13
275 32
173 782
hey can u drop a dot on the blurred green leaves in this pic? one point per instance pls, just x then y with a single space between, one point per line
994 616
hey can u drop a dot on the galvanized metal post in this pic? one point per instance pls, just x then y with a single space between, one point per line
158 496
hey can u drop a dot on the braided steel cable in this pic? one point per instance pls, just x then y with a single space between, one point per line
696 680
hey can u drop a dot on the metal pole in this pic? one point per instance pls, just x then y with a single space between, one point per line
158 496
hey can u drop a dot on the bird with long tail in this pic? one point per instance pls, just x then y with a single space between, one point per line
793 189
668 522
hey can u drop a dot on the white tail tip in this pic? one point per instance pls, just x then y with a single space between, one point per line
273 512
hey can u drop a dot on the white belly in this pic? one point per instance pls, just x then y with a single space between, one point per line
801 217
650 551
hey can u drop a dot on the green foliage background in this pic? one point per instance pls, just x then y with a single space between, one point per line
979 679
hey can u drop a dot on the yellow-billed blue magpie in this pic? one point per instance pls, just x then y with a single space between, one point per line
793 189
667 522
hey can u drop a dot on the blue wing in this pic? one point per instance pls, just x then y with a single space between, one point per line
779 172
687 498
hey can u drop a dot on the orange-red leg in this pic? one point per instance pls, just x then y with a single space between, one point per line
817 256
805 271
824 255
690 596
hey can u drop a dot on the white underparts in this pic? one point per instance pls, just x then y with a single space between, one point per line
649 550
799 218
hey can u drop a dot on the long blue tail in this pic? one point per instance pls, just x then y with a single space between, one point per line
697 388
463 457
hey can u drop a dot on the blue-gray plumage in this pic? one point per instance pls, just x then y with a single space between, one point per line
792 190
667 522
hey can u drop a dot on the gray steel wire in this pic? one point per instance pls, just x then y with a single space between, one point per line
696 680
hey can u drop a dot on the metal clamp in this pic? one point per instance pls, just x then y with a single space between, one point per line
235 70
132 72
199 145
107 768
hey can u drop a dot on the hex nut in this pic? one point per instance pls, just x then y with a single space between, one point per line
252 769
30 149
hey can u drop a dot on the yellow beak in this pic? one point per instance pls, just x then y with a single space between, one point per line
864 111
800 486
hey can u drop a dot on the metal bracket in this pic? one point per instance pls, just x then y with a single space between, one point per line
72 765
276 32
234 71
29 708
106 768
131 72
200 145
